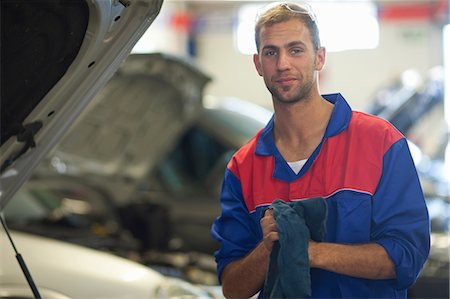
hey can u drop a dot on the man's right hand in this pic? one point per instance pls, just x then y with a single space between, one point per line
244 277
269 229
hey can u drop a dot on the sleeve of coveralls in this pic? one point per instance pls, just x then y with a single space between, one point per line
233 229
400 217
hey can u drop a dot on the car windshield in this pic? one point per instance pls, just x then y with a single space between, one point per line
187 170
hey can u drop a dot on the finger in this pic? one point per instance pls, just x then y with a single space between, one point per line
268 217
268 226
272 236
269 240
268 212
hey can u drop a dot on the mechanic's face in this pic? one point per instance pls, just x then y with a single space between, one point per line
287 60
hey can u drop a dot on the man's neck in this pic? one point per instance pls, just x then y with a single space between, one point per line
299 127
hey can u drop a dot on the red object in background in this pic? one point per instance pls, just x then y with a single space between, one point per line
415 11
181 21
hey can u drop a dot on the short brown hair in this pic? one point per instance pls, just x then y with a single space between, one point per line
282 12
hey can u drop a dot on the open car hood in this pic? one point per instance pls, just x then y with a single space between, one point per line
132 123
55 56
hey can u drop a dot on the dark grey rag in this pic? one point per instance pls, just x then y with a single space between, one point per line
297 222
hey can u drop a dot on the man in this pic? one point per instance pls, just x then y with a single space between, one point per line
377 229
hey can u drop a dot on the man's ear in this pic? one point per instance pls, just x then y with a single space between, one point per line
257 64
320 58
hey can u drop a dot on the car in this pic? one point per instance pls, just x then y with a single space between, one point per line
56 55
63 270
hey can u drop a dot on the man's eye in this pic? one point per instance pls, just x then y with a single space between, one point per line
270 53
296 51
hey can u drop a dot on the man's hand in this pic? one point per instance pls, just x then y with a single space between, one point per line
244 277
269 229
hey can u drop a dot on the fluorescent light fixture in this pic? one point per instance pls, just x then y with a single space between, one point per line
244 31
348 26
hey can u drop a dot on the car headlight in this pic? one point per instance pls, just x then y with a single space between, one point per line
177 288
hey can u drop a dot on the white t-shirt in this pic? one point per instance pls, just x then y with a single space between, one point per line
297 165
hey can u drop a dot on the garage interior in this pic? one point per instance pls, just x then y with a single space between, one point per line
189 91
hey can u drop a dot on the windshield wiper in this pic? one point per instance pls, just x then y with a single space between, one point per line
21 261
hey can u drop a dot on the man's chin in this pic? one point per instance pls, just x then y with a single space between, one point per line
287 100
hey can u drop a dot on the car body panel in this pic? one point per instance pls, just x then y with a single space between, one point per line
86 273
77 272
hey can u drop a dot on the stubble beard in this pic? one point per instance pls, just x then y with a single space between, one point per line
301 93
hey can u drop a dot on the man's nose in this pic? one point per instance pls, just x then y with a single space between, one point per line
283 61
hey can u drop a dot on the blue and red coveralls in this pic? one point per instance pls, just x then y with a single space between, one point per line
364 170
